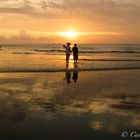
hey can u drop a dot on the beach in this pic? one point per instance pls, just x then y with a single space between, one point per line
42 105
69 69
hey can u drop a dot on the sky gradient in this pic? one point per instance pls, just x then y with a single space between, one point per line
95 21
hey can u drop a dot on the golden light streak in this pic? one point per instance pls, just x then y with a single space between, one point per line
68 34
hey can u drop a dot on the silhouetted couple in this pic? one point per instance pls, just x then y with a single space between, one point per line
68 52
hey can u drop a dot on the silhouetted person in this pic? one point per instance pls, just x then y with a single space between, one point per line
75 73
75 53
68 51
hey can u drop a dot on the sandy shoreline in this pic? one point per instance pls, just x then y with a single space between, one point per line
43 106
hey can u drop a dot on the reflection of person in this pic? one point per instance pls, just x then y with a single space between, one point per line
75 53
75 73
68 74
68 51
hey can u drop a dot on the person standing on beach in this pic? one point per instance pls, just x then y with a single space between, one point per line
75 53
68 51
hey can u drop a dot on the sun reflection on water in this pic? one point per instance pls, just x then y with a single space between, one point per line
71 58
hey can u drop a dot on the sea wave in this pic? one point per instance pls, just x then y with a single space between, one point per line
63 70
110 60
23 53
90 52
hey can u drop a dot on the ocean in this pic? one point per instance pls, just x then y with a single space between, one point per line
51 57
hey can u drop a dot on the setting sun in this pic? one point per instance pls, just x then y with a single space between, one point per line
68 34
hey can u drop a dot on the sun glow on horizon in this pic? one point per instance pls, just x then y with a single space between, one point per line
68 34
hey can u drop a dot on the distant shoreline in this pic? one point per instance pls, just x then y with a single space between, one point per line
63 43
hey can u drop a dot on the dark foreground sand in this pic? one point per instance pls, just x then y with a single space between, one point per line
43 106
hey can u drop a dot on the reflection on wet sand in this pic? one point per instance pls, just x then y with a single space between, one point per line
75 72
68 73
42 105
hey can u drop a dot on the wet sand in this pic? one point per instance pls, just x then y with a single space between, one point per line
39 106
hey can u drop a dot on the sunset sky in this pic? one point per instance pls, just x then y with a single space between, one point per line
81 21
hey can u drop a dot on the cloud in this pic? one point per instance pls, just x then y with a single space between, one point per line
89 15
2 38
97 8
17 8
92 9
29 8
26 37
